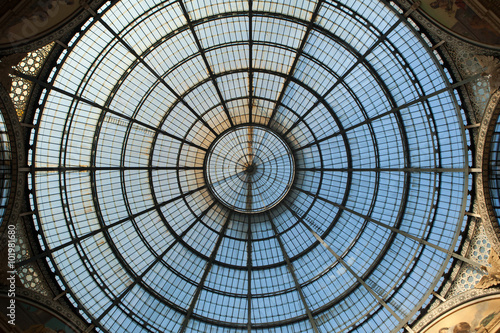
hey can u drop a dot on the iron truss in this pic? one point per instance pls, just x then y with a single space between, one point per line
151 102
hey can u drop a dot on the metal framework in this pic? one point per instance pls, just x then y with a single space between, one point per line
151 188
494 170
249 169
5 168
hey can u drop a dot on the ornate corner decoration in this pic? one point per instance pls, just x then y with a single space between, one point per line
50 305
451 304
52 34
493 277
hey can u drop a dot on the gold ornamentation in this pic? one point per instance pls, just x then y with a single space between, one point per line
493 277
491 70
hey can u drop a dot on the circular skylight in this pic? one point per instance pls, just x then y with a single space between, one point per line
242 166
249 169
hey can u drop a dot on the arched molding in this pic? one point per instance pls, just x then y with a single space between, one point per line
483 144
48 304
16 137
51 33
452 304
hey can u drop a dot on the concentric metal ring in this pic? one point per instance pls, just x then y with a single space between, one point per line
249 169
147 188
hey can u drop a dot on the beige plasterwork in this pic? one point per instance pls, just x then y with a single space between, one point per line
482 159
452 305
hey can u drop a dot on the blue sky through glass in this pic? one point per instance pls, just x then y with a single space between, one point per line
150 85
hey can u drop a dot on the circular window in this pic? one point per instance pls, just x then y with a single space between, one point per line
249 165
249 169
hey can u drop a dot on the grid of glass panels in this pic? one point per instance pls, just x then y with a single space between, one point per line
494 169
249 169
143 244
5 167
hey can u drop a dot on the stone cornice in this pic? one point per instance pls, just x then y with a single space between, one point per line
483 144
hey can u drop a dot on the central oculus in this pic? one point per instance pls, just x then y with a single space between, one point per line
249 169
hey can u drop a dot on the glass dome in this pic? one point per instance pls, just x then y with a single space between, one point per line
249 169
235 166
5 167
494 170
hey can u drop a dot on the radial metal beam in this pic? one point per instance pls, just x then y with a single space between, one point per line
201 50
110 168
249 199
408 329
298 54
250 61
433 170
393 229
391 111
104 228
145 64
350 69
249 274
343 263
49 86
139 278
224 179
208 267
341 79
291 270
418 100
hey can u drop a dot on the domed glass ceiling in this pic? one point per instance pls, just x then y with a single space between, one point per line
249 166
494 174
5 167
